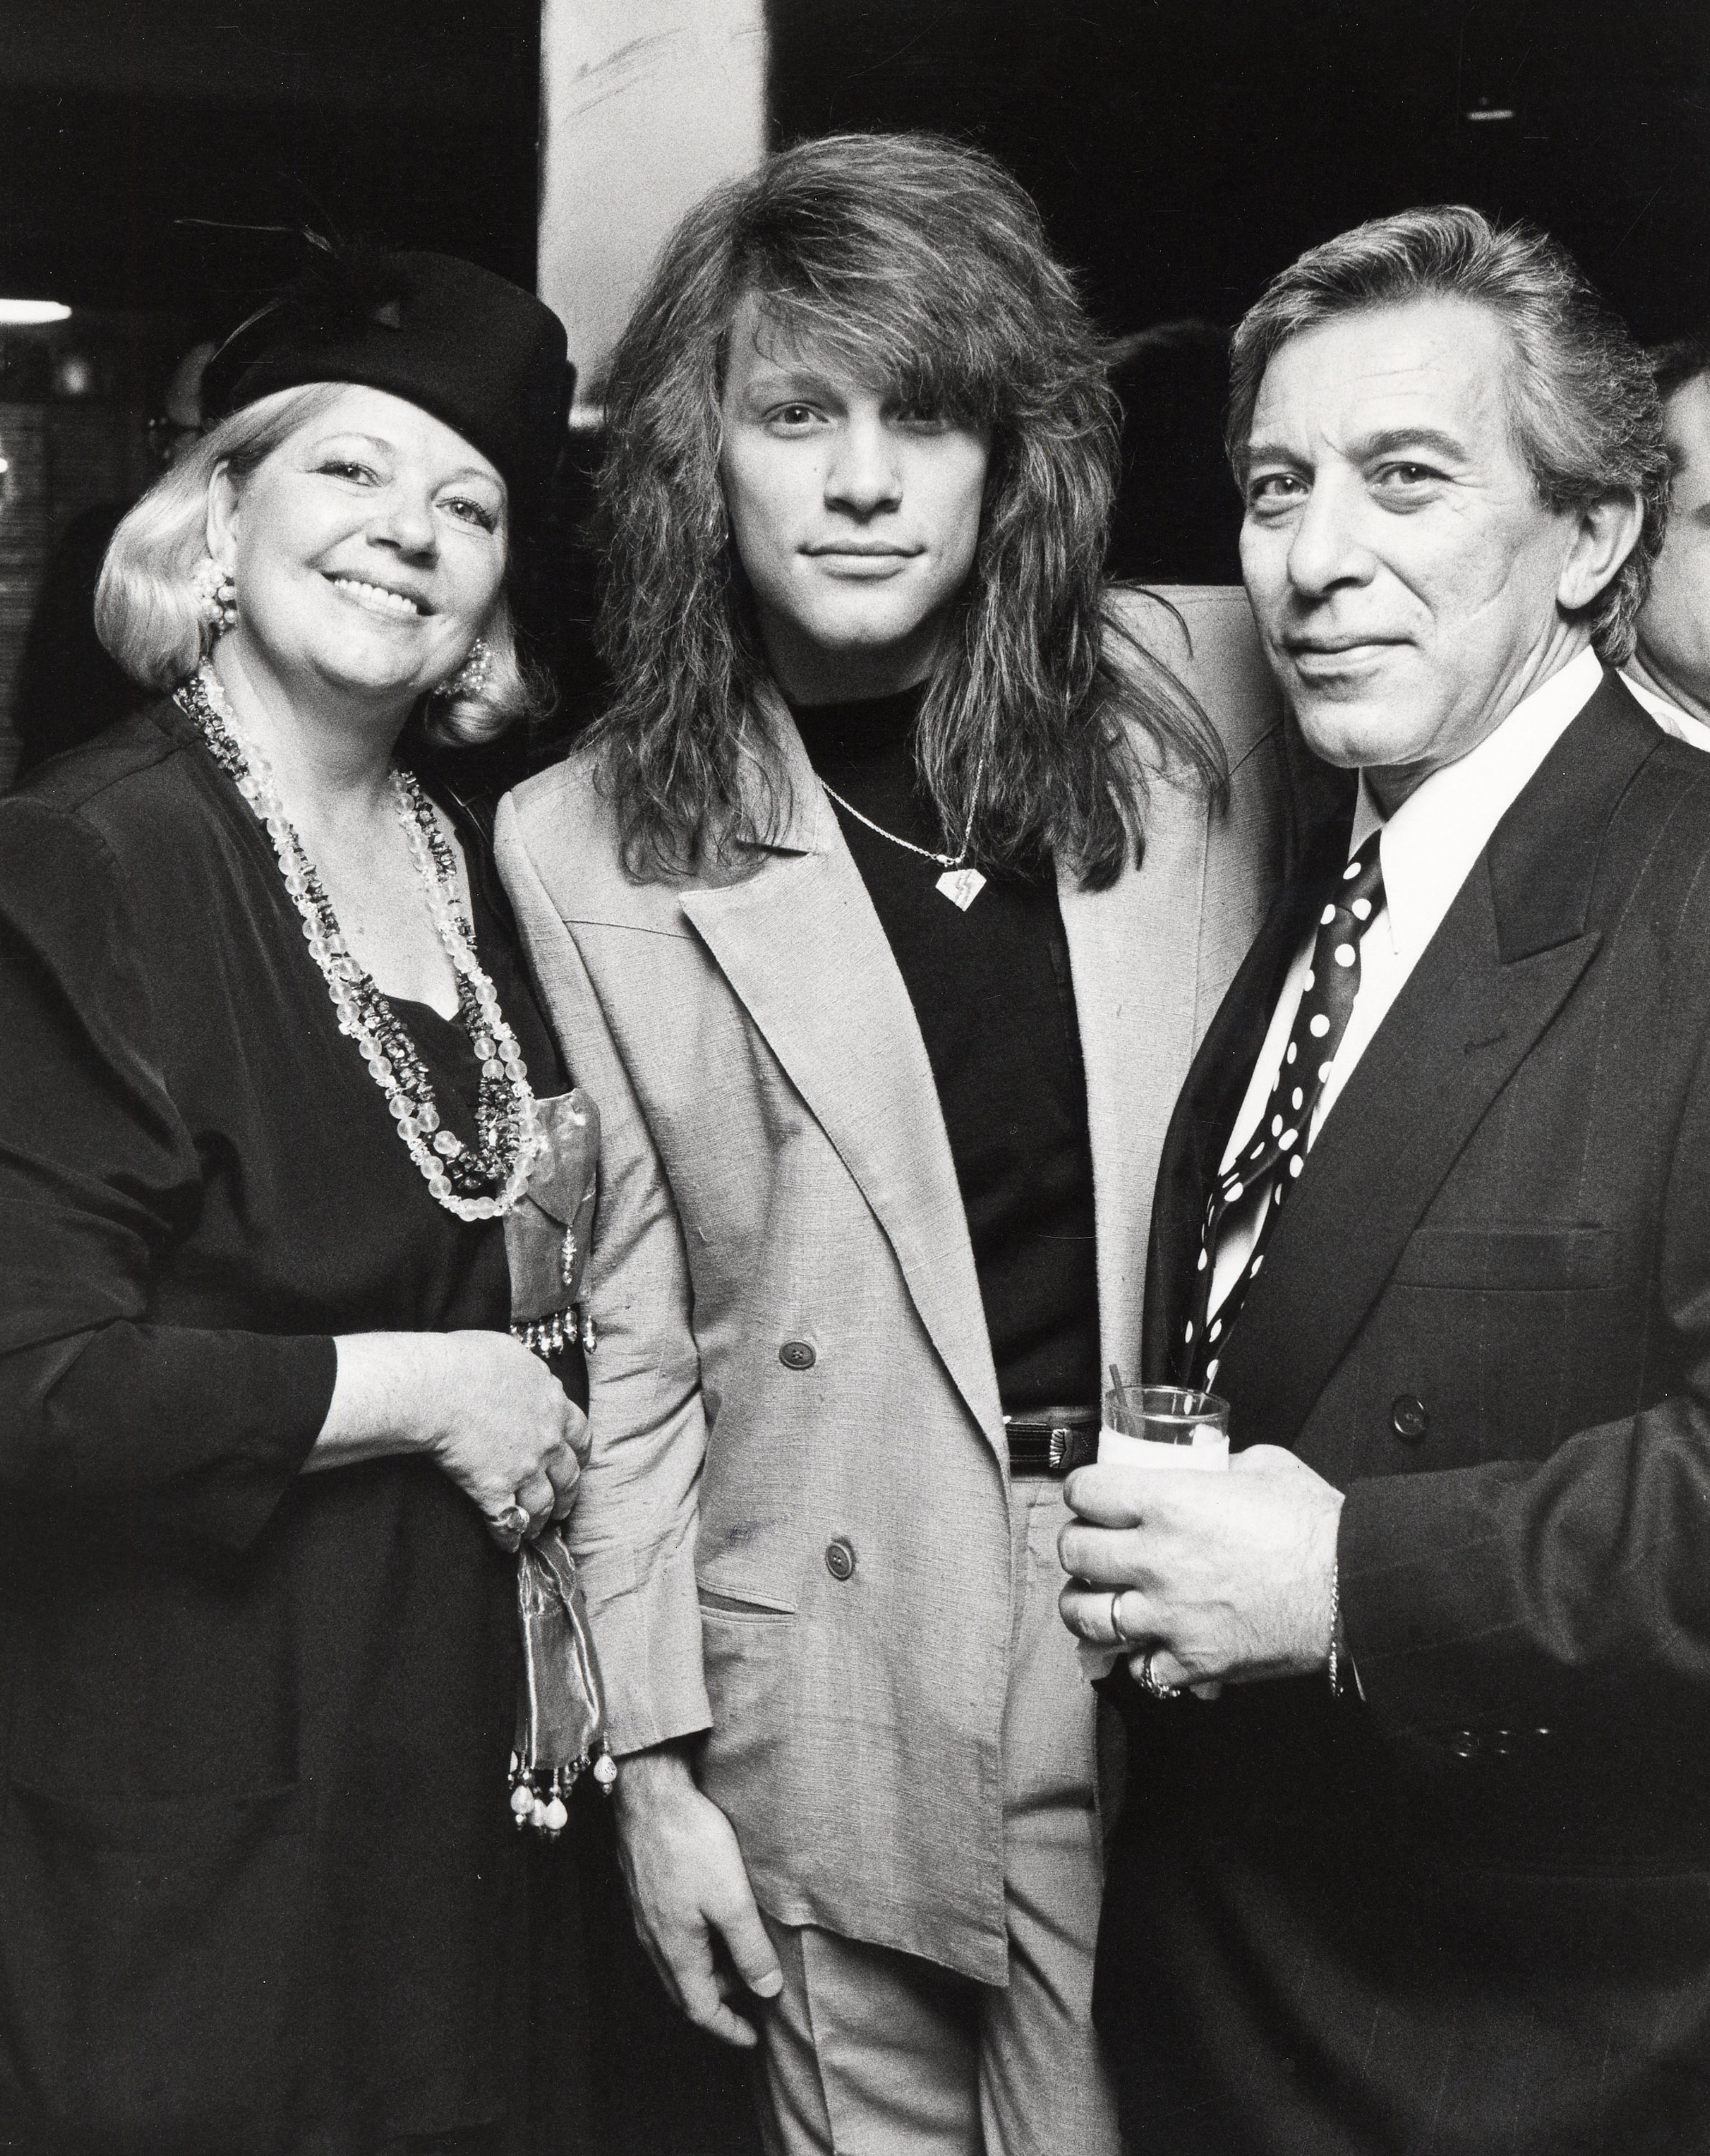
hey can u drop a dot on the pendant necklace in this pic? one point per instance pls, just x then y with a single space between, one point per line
478 1182
960 885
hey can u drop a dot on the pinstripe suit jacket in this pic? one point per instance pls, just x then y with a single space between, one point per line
792 1350
1469 1915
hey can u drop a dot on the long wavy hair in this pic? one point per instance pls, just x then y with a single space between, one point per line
920 265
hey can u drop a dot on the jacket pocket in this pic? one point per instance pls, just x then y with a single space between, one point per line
1509 1255
151 1968
749 1605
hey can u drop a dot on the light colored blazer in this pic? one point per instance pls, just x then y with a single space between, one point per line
793 1381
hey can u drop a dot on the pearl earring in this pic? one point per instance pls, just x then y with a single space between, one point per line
471 677
216 594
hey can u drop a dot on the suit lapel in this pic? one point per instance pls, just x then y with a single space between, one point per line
803 949
1458 1031
1510 951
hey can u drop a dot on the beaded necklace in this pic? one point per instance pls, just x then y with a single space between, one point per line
475 1182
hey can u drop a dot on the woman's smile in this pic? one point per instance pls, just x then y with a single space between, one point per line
385 600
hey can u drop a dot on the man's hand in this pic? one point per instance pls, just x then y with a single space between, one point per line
689 1889
1224 1578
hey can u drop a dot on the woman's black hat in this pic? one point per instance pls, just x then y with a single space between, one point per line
469 347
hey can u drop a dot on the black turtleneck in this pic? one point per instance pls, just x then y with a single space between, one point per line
991 992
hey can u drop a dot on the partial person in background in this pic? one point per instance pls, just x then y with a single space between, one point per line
69 689
273 1077
1669 671
883 908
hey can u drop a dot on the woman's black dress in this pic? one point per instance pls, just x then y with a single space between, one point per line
259 1888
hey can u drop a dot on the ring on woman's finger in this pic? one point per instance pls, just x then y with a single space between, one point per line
1117 1635
514 1519
1152 1684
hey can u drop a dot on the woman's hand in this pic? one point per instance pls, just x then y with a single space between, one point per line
489 1412
505 1431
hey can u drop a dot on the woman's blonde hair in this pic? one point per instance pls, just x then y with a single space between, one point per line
149 613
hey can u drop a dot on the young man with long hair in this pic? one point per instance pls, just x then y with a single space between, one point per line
882 909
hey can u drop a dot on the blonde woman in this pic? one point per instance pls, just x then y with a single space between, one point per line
270 1082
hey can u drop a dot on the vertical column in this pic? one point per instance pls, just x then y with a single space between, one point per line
646 104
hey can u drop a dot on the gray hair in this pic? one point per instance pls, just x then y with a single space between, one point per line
1582 401
149 614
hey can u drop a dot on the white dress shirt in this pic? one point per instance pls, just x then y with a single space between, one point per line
1668 715
1427 848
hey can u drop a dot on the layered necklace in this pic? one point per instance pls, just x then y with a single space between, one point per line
478 1182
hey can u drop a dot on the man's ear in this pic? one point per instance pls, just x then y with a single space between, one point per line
1605 533
223 514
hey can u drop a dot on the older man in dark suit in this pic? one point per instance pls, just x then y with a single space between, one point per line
1433 1873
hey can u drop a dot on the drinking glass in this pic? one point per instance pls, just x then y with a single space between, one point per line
1159 1426
1164 1426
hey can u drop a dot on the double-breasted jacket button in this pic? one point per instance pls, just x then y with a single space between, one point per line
797 1355
1465 1744
840 1558
1408 1417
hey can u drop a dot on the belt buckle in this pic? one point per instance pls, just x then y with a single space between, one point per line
1061 1438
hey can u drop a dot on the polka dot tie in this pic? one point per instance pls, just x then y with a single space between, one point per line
1270 1163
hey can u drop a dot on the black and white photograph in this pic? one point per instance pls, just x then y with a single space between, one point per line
732 734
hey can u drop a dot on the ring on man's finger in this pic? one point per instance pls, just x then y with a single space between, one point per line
514 1519
1117 1634
1152 1684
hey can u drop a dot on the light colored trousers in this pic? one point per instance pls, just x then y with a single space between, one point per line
870 2052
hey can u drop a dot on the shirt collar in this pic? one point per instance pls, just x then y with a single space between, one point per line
1667 714
1663 709
1433 838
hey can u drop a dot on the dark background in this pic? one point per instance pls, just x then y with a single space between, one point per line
1181 151
1185 149
118 117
